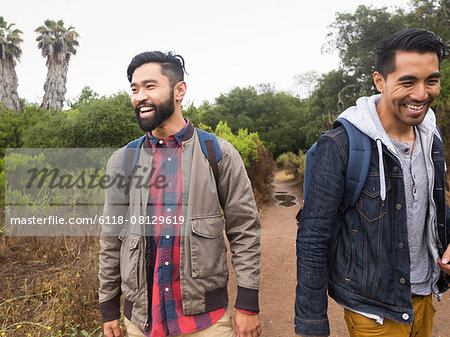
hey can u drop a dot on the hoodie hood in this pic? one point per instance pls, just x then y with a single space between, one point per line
364 116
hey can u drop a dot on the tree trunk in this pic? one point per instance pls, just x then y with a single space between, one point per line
8 84
55 84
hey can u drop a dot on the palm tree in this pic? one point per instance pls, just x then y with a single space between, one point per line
58 44
10 52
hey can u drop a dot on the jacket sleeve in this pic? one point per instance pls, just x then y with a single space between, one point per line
116 204
321 205
242 225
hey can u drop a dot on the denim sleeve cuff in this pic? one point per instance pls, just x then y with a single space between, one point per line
247 299
110 310
306 327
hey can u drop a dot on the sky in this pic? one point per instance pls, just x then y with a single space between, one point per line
225 44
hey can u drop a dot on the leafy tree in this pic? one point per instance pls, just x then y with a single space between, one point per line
282 121
10 52
57 43
244 142
306 82
101 122
433 15
13 124
354 36
86 95
335 91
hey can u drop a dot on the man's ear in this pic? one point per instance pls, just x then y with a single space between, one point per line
179 90
378 79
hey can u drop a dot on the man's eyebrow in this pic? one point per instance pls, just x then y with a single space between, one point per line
437 74
413 78
144 82
407 78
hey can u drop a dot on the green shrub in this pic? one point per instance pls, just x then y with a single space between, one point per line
244 142
293 164
99 123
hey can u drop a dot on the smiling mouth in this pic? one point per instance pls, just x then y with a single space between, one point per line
146 110
414 108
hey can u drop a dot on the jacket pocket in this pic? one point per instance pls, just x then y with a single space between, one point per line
351 255
129 263
369 204
208 250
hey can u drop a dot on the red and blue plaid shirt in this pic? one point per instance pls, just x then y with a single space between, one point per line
163 259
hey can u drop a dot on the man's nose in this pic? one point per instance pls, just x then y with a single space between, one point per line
141 96
419 92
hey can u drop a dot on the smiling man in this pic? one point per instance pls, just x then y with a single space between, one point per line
170 258
390 251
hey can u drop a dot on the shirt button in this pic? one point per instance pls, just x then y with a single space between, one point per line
400 245
395 169
405 316
167 236
169 159
161 141
169 184
406 150
167 289
166 263
168 209
398 207
402 280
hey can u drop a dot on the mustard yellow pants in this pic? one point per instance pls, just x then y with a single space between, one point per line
222 328
361 326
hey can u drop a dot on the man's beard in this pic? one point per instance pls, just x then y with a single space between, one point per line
160 114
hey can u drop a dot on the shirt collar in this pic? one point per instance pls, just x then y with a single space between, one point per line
178 136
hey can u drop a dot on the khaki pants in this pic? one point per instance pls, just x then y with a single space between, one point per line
361 326
222 328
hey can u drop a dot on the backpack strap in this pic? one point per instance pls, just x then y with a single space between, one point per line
211 150
359 152
131 155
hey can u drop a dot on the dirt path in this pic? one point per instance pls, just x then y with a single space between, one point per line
278 274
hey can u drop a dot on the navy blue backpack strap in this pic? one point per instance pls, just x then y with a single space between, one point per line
131 155
359 152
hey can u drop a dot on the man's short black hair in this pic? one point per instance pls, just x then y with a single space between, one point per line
172 65
409 40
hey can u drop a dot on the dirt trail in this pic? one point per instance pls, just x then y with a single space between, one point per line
278 273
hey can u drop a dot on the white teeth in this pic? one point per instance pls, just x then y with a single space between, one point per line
146 109
414 107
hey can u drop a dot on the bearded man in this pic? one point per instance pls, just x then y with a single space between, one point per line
169 257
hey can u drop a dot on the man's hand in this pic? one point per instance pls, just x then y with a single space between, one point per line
111 329
246 325
444 262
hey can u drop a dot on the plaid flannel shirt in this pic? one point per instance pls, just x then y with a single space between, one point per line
163 258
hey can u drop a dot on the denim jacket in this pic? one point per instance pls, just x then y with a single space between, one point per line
360 255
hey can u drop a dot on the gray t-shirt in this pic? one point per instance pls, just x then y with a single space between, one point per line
416 190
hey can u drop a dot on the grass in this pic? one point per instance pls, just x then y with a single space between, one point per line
49 286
